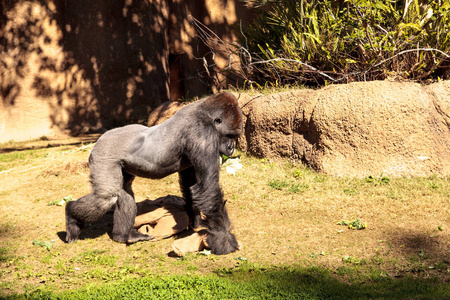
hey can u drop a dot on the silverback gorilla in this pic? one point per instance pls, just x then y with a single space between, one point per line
189 143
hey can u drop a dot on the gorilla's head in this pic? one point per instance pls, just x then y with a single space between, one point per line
226 115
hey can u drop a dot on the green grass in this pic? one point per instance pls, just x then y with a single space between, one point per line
95 257
5 254
268 88
13 159
285 215
257 283
278 184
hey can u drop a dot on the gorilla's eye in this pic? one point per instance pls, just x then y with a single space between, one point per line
218 120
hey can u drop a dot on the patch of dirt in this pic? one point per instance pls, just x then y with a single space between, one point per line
281 226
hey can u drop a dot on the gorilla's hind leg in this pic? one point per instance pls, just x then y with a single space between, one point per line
124 216
86 209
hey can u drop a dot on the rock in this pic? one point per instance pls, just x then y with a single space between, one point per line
268 123
357 129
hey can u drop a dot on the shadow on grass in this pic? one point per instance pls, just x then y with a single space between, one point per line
423 248
273 283
44 143
412 242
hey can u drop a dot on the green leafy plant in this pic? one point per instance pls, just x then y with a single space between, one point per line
354 224
44 244
353 260
62 201
340 41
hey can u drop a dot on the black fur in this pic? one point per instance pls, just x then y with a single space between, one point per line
188 143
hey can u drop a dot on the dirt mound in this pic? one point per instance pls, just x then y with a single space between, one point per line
358 129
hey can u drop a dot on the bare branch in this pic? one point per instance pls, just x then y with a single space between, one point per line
410 50
295 61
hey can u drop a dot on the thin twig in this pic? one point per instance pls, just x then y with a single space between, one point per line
411 50
295 61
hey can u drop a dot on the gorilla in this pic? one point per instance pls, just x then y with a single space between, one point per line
190 143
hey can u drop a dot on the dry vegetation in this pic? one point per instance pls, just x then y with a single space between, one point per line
283 214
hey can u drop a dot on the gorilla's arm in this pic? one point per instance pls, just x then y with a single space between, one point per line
207 198
202 192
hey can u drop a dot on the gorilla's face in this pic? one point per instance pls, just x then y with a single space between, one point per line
227 136
226 146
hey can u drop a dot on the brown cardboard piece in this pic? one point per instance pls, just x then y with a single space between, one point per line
165 217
